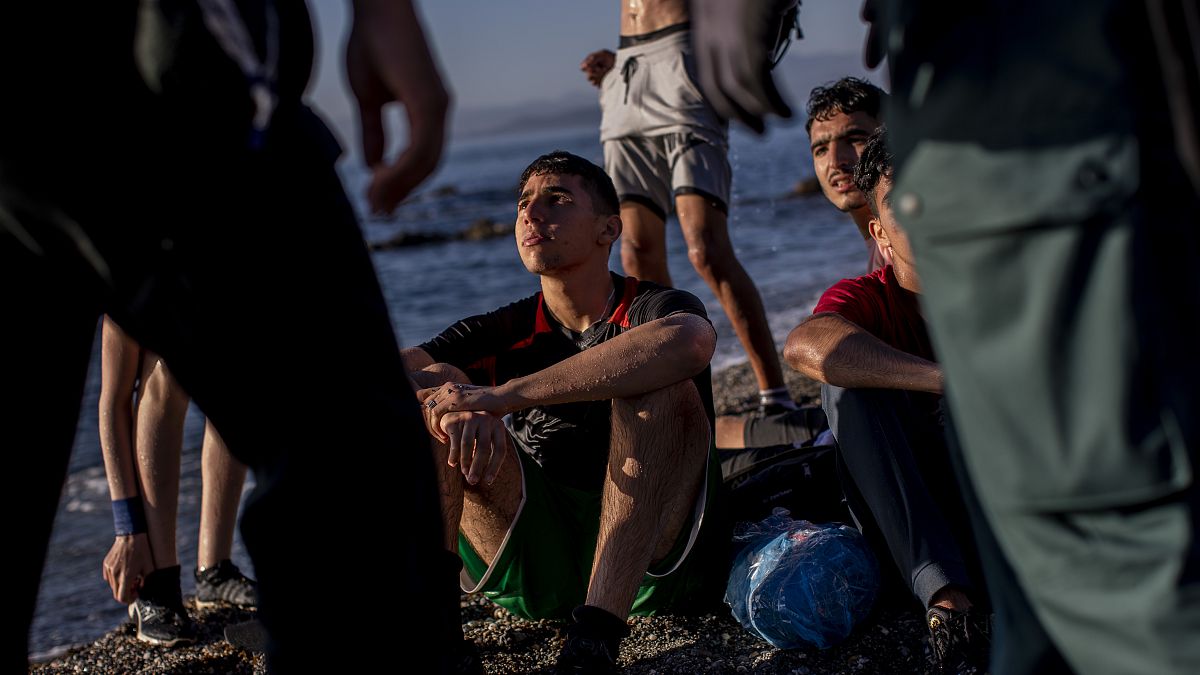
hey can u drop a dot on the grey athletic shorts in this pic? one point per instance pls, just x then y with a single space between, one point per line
661 138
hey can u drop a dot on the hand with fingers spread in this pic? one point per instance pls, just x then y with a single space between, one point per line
127 564
388 60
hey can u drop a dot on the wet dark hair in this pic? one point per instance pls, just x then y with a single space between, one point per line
847 95
875 163
597 183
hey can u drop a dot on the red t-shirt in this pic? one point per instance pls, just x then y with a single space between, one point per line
878 304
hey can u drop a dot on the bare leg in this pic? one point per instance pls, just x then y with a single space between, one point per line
650 490
711 253
644 244
223 477
731 432
162 406
483 512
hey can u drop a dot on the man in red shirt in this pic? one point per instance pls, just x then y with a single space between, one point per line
867 341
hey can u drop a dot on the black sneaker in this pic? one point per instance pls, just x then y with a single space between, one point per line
961 641
586 656
224 583
592 643
162 625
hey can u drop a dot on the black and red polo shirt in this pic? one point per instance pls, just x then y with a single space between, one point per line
570 441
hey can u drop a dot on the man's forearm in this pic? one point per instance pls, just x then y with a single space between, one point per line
646 358
116 430
833 350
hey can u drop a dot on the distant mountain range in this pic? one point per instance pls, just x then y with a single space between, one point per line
797 75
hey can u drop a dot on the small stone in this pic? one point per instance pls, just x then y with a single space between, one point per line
884 630
652 636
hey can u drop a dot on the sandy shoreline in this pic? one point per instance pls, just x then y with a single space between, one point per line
893 641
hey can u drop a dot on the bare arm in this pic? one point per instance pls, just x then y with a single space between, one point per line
130 559
119 356
834 350
646 358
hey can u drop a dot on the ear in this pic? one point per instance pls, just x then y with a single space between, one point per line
611 230
878 233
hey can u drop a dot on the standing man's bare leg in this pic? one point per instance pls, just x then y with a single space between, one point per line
656 466
644 244
707 234
161 409
222 479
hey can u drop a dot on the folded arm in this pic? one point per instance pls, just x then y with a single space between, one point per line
834 350
646 358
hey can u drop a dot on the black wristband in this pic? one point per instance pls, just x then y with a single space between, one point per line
129 516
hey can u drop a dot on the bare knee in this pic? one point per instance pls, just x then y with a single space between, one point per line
710 253
164 393
676 409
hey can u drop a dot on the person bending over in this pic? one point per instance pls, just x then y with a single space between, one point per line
142 410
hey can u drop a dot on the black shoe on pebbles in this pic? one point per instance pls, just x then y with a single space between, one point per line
592 644
961 641
158 614
224 584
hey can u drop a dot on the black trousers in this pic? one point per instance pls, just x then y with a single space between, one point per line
900 486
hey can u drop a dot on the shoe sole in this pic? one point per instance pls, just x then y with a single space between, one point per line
153 640
212 604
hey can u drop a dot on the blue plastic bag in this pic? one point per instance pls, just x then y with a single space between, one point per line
796 583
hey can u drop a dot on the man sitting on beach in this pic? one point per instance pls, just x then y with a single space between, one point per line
841 116
577 475
867 341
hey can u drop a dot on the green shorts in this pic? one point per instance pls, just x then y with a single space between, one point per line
545 562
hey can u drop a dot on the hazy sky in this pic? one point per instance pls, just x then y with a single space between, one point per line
508 52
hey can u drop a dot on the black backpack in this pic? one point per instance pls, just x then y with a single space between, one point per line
800 478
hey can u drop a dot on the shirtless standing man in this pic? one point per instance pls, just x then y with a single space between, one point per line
664 145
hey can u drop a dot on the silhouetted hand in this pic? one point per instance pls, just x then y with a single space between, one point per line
388 60
732 40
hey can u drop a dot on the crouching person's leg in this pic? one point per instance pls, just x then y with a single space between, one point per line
655 495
